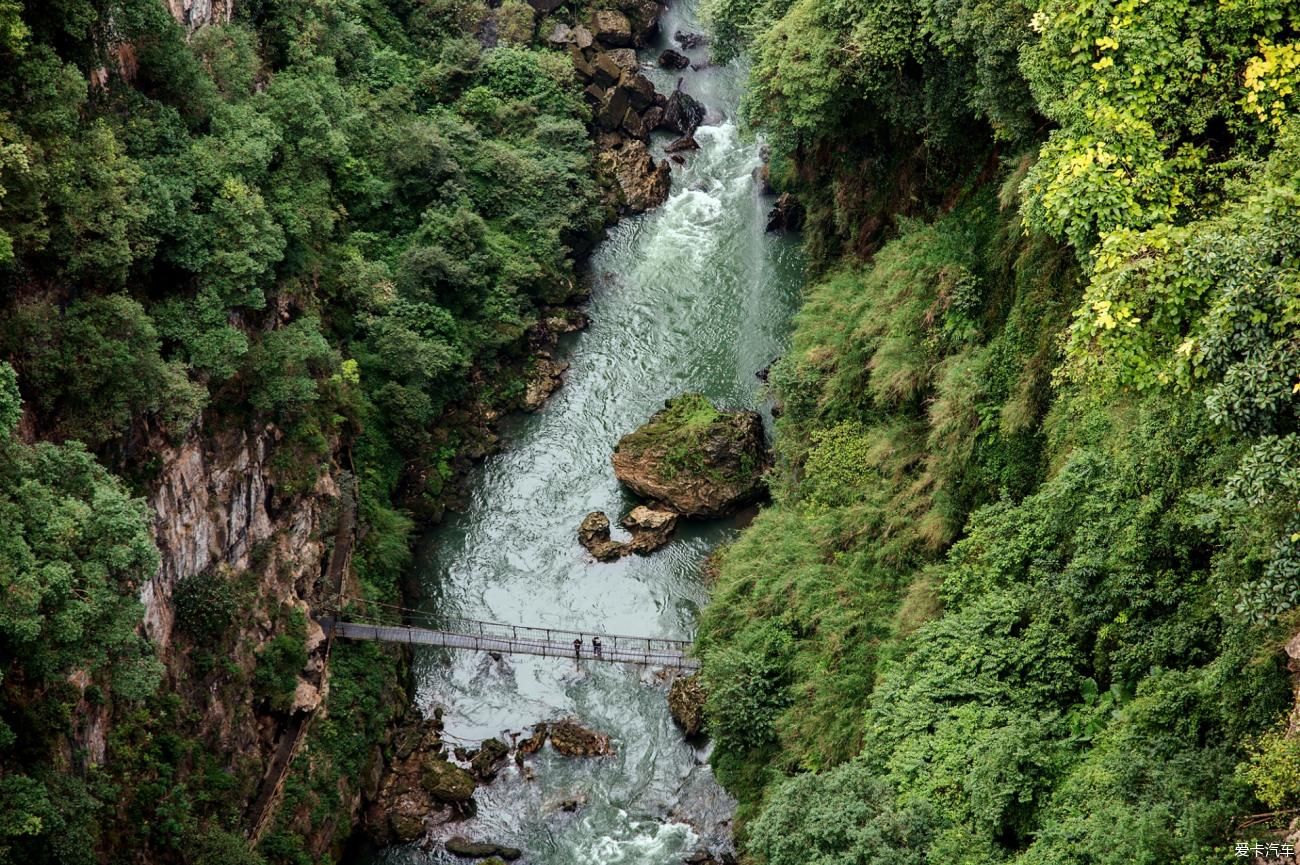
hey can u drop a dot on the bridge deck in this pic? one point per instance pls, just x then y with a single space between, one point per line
649 651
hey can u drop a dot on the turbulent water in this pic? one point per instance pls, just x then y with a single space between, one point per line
693 296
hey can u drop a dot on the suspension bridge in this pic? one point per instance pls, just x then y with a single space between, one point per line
509 639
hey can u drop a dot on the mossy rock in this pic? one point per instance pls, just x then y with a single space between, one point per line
447 782
695 459
686 697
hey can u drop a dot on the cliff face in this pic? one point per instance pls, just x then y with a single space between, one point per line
217 511
195 13
215 505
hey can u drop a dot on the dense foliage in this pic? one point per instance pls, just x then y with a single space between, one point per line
1033 554
335 219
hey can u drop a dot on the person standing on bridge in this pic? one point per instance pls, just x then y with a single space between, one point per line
577 648
595 645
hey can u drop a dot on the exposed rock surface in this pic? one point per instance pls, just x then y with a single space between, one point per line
670 59
571 739
625 59
694 459
650 529
462 846
534 743
593 534
643 17
194 14
683 113
680 145
546 378
787 215
639 183
611 28
487 762
419 786
690 40
626 108
686 698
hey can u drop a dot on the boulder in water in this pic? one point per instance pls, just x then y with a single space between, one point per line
686 142
690 40
491 753
683 113
638 183
650 529
534 743
593 534
670 59
462 846
787 215
686 698
445 781
695 459
572 739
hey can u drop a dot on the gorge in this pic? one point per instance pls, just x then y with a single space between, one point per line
976 498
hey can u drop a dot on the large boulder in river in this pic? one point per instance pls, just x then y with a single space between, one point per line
462 846
694 459
444 781
637 182
650 528
670 59
574 740
686 698
593 534
683 113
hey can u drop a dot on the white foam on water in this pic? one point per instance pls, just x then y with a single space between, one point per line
646 842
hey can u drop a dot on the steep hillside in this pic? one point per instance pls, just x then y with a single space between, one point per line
269 270
1025 587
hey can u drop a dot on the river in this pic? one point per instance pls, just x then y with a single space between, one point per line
693 296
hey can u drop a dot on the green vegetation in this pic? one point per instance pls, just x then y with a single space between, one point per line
1022 593
329 219
678 430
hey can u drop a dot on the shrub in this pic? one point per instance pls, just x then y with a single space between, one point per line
205 606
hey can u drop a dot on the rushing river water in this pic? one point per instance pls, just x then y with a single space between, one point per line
693 296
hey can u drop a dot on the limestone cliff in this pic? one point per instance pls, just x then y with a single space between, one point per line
195 13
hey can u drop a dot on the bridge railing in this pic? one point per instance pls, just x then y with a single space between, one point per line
562 636
636 650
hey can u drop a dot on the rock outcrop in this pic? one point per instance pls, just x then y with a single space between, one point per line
650 529
626 108
572 739
611 28
686 698
593 534
683 113
639 183
462 846
694 459
545 379
787 215
419 786
193 14
487 761
670 59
